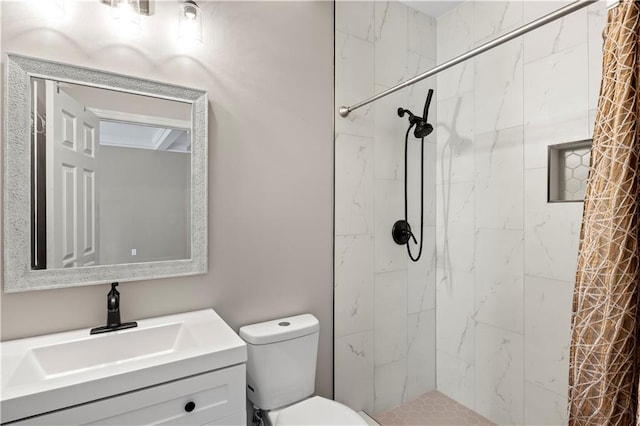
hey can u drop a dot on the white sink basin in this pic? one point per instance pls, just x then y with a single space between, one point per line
71 357
94 352
46 373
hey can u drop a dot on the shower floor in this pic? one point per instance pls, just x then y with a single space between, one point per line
432 408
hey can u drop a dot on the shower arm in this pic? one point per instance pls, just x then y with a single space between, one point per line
563 11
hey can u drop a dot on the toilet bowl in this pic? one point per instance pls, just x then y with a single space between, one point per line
315 411
281 373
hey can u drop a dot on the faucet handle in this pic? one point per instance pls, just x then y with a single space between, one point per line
113 298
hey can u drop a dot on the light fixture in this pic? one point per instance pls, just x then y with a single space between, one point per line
189 22
126 16
52 8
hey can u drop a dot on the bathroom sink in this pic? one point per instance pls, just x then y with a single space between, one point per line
84 354
46 373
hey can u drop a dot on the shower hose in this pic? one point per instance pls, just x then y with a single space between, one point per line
406 216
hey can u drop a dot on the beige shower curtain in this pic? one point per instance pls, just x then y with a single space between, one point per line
605 351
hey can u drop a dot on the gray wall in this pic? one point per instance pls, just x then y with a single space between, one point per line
268 69
144 197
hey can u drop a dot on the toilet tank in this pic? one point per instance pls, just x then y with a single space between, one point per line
281 366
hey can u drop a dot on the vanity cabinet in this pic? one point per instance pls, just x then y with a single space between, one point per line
186 368
212 398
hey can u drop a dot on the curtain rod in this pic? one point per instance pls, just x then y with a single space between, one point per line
579 4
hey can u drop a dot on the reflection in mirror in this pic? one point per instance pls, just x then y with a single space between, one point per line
110 184
105 177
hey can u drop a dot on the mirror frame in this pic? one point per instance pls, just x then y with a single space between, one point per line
18 275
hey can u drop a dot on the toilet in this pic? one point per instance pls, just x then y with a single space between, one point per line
281 374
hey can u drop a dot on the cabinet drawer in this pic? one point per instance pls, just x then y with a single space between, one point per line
214 396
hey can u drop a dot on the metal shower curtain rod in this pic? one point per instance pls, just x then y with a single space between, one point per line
572 7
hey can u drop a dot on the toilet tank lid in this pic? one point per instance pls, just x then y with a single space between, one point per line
279 330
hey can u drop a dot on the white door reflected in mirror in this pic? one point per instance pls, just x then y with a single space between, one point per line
72 149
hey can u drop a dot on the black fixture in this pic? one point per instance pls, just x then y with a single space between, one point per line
113 314
401 231
423 129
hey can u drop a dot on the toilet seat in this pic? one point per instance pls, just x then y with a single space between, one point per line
317 411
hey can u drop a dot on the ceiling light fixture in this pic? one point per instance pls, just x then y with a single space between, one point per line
189 22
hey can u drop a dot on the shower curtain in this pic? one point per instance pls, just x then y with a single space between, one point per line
605 351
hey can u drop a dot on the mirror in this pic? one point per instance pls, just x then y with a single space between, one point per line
105 178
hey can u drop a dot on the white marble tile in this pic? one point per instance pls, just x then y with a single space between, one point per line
455 331
390 317
547 332
538 8
354 284
597 19
538 137
391 43
428 183
389 134
421 176
552 231
592 121
354 185
354 371
456 226
499 178
499 88
422 275
390 385
354 81
556 36
455 134
455 32
355 18
556 88
556 103
499 385
542 407
389 207
499 278
417 93
456 81
456 378
494 18
421 356
421 31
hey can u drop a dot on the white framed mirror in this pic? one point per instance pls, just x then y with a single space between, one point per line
105 177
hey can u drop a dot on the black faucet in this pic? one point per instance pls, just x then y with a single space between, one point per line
113 314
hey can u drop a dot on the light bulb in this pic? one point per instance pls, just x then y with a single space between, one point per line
189 23
126 17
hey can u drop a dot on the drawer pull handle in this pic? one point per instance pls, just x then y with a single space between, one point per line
190 406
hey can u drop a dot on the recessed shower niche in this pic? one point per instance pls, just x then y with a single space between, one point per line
568 170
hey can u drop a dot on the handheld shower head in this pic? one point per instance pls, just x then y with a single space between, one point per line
423 128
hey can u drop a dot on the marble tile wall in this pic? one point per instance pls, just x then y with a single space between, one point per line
505 257
384 304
